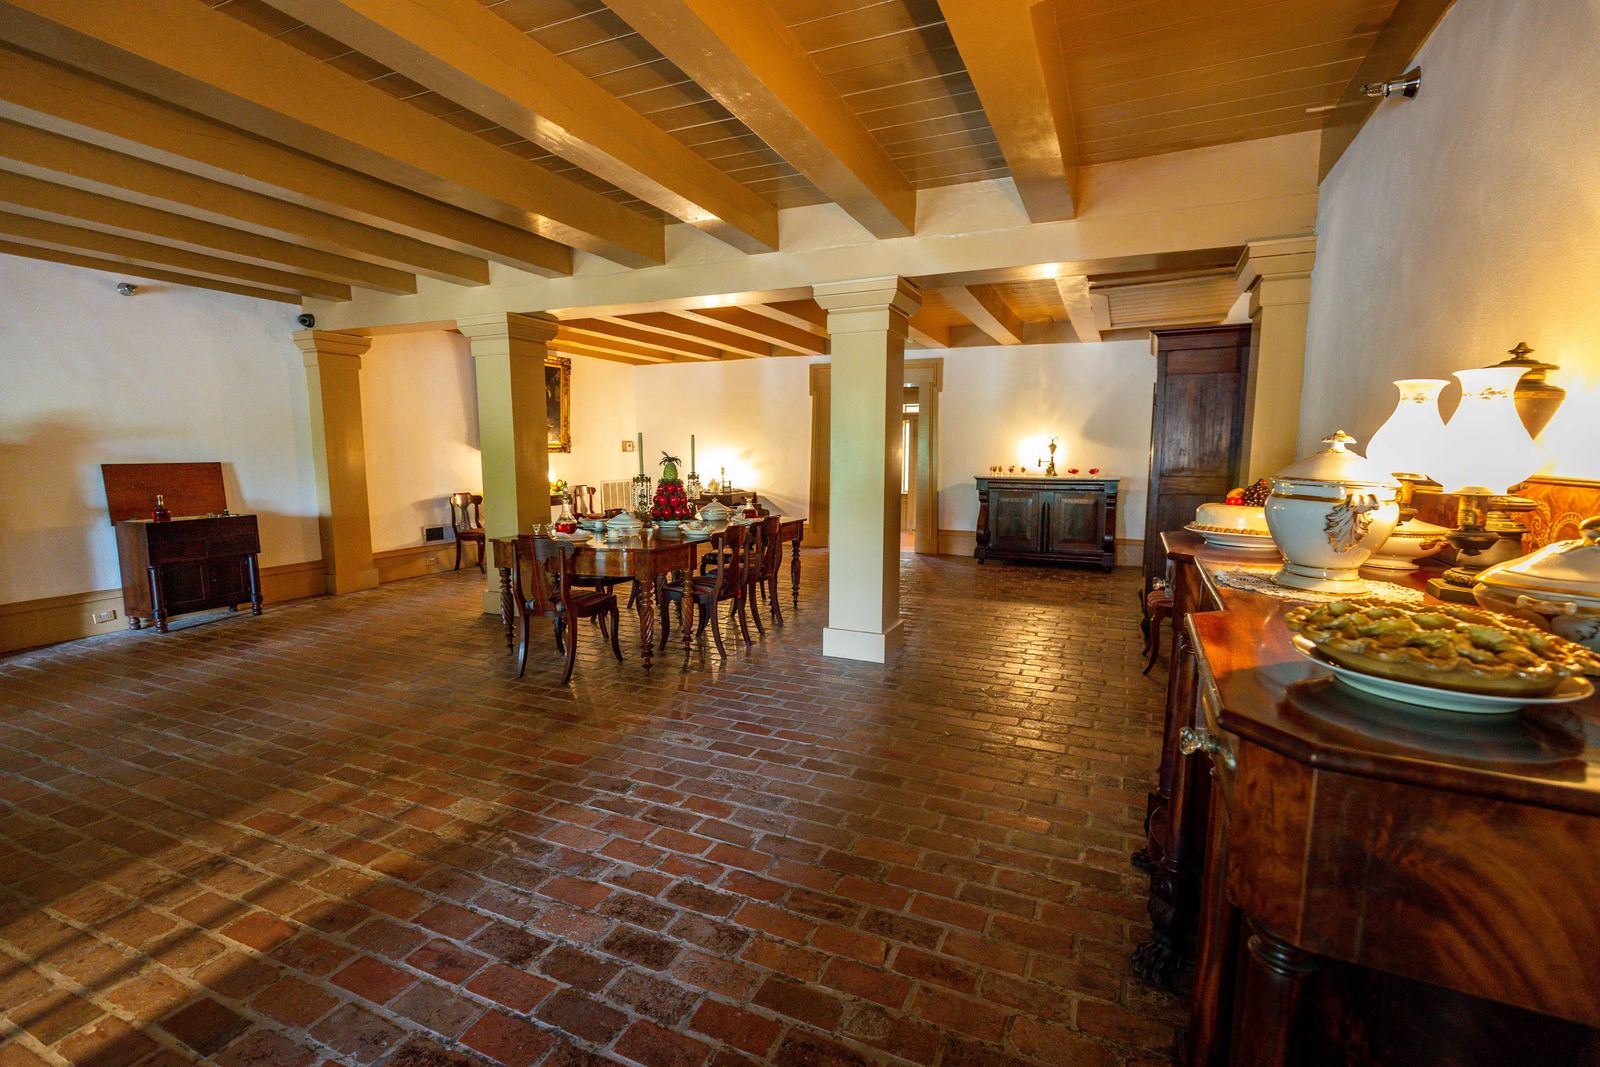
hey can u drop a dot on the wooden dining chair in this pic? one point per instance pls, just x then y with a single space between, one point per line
542 575
701 594
766 582
760 542
583 502
466 520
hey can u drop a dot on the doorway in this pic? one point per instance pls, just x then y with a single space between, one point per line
923 379
909 474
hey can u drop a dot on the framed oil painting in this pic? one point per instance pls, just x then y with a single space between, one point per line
558 402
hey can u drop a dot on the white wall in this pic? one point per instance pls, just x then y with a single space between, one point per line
419 416
602 418
752 416
1464 221
169 374
1000 405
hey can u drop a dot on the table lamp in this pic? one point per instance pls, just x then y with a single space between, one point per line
1484 451
1405 446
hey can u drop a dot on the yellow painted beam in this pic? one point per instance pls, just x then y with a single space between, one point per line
470 55
803 314
741 53
1012 51
613 330
1079 302
201 59
41 199
56 255
49 96
64 161
111 246
611 349
927 333
985 308
761 328
677 325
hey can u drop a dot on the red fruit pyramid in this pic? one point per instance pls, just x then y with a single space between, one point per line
670 505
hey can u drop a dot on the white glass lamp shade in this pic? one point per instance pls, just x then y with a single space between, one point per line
1409 441
1485 448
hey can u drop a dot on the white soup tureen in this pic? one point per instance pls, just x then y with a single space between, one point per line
1557 587
1328 513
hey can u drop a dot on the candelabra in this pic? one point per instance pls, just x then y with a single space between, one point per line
643 495
1050 471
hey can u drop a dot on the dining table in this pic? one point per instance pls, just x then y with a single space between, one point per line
648 556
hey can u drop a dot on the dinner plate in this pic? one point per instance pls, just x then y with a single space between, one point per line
577 538
1216 535
1449 699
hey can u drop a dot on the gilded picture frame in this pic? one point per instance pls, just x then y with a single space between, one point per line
558 402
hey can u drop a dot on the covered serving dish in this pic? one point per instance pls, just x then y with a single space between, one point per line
1328 513
714 511
1557 587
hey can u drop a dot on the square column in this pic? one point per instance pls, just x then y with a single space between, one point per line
867 333
1277 275
338 450
508 355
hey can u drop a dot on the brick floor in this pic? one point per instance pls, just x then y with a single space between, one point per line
345 833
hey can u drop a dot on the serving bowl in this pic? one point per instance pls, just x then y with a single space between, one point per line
1328 513
1557 587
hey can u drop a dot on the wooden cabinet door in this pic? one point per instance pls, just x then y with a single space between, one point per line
1015 520
183 586
1075 521
227 581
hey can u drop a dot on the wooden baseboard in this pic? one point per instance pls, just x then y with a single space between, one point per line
51 620
415 561
1130 551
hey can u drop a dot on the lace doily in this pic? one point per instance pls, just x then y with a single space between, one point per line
1260 581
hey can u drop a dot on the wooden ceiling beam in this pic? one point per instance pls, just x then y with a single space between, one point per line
115 247
801 314
64 161
1012 51
761 328
927 333
744 55
199 58
1075 297
609 349
612 330
51 97
676 324
56 255
470 55
41 199
985 308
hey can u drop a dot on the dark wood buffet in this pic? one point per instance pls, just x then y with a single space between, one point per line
1068 520
1360 882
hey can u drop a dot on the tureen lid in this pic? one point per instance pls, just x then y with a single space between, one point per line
1335 463
1564 568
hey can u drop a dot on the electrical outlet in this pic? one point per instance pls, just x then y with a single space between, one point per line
105 616
628 446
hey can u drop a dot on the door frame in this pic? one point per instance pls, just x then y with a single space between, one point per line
926 376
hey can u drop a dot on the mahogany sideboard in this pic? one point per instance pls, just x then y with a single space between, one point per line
1068 520
1366 882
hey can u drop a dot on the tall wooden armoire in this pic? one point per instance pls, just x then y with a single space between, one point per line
1197 427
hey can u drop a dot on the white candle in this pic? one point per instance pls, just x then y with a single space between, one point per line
641 455
691 453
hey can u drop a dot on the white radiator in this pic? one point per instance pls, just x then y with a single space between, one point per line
616 495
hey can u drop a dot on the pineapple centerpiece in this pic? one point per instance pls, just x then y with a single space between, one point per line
670 506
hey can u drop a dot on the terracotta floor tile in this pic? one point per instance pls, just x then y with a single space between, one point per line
345 833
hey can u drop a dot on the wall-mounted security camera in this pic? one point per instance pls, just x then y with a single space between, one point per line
307 320
127 288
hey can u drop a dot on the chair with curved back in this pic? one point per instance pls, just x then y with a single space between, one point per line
765 583
541 574
466 521
703 593
583 502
